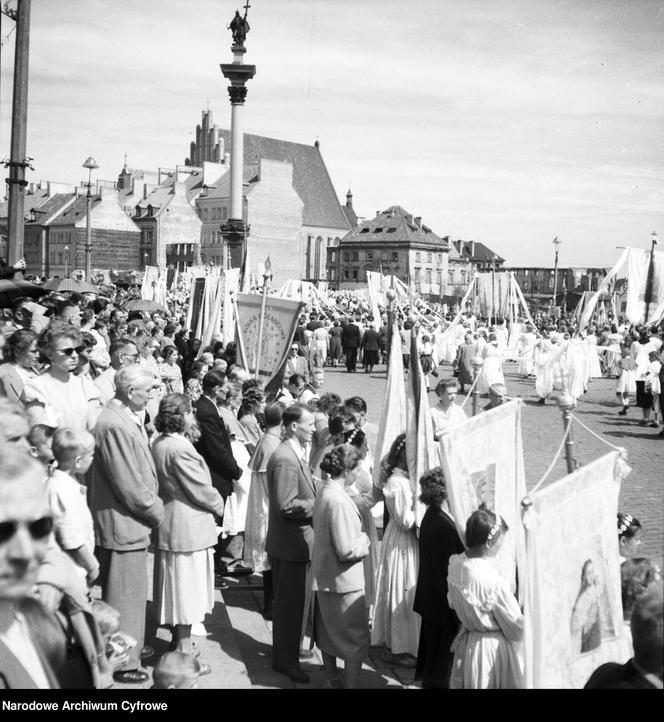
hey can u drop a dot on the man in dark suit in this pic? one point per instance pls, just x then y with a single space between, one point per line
290 538
350 339
125 505
645 669
370 345
438 541
215 447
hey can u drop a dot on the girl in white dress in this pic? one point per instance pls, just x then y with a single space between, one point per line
395 625
492 370
626 383
487 650
594 367
654 386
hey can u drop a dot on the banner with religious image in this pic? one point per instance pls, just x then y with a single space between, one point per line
483 463
154 285
573 607
276 332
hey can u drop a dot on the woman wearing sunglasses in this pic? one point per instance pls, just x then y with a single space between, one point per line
58 397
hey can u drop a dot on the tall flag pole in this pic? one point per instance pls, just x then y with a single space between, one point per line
267 276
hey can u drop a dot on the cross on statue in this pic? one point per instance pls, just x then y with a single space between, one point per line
239 26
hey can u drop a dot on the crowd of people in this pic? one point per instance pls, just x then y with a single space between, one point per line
120 435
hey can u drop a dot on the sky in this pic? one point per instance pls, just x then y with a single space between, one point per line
510 122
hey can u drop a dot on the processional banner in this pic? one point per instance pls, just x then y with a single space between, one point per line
154 285
483 463
278 326
573 607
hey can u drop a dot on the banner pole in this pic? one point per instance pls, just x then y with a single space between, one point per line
267 275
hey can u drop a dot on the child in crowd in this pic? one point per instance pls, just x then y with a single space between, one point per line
653 385
41 441
176 670
629 536
73 450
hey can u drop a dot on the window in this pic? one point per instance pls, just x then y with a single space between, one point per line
205 214
526 285
439 277
551 282
439 258
417 275
429 257
333 257
378 230
355 256
395 256
383 256
355 274
365 230
428 274
392 230
346 274
346 256
224 213
417 256
450 277
370 255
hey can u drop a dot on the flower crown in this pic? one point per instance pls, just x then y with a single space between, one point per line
400 445
625 524
494 530
353 434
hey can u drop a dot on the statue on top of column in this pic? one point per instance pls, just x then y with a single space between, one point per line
239 26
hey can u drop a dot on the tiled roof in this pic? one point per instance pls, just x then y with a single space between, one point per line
481 252
73 213
222 186
350 215
310 177
394 225
158 198
32 200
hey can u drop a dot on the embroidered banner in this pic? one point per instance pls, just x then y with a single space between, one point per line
483 463
278 328
573 608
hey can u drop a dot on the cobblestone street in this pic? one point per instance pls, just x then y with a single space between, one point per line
642 493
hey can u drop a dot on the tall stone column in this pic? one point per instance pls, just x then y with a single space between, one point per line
236 230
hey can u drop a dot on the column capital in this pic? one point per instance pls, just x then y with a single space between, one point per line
237 94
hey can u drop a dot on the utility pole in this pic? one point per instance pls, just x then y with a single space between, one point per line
18 161
651 272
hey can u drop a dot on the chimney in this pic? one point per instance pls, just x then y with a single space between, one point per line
377 213
418 221
472 248
145 191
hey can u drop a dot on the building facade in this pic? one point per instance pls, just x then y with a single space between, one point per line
392 243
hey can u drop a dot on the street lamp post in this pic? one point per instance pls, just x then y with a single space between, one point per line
567 402
66 259
556 243
90 164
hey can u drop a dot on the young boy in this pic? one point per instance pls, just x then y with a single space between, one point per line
41 442
176 670
73 451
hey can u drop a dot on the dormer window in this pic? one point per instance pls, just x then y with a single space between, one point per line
150 210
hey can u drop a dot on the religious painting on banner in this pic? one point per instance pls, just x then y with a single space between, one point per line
482 459
573 608
278 327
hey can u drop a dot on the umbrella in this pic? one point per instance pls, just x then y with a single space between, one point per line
70 284
10 290
142 304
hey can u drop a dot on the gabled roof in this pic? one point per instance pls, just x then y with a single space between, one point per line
32 199
222 186
310 177
73 213
394 225
480 254
52 207
350 215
